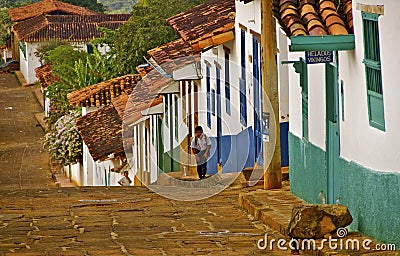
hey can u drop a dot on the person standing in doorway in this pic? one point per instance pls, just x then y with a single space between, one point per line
125 180
200 146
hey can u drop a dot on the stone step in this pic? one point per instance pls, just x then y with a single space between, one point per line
165 179
273 208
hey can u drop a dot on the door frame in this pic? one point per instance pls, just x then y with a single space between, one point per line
332 132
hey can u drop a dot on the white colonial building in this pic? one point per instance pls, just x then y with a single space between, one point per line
343 135
49 21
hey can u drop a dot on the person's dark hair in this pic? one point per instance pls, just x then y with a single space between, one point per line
126 172
198 128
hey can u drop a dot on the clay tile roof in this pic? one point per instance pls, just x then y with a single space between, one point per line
314 17
145 95
144 69
206 25
67 27
101 130
45 75
46 7
103 93
174 55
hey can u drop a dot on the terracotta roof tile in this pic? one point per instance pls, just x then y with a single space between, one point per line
145 95
144 69
206 25
174 55
45 75
314 17
103 93
101 130
67 27
46 7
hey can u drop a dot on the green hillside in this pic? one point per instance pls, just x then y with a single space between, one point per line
118 6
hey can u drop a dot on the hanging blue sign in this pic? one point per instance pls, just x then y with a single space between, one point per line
314 57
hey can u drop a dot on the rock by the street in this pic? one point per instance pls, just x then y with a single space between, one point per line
315 221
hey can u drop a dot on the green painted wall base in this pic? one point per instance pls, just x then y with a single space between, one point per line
372 197
166 160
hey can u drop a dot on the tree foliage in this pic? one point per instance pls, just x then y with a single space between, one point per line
44 48
90 4
146 29
76 69
118 6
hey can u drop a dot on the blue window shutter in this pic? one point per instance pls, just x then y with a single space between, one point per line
227 85
242 80
213 102
208 84
243 107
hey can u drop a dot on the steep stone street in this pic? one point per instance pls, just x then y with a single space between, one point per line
37 218
24 163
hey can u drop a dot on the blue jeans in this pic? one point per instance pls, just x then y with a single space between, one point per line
202 164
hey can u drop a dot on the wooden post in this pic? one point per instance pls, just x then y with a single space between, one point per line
272 173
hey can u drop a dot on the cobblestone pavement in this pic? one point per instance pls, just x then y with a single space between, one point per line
23 162
36 218
124 221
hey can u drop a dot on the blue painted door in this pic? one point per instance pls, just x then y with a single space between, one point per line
242 80
257 92
332 132
219 120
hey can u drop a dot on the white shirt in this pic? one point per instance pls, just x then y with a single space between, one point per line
124 181
201 143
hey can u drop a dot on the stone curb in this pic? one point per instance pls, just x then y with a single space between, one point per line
273 208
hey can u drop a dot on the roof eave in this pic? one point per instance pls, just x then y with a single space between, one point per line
322 43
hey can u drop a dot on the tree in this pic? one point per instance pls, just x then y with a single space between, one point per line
90 4
118 6
76 69
43 50
146 29
5 25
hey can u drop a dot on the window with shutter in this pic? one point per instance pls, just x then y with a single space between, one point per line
373 72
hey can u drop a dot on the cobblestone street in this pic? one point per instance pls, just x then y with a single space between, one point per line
37 218
24 163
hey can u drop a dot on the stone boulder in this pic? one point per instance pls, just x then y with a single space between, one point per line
315 221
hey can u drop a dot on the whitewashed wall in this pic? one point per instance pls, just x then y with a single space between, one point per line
368 146
360 142
144 157
177 102
283 78
249 15
74 173
6 54
29 63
